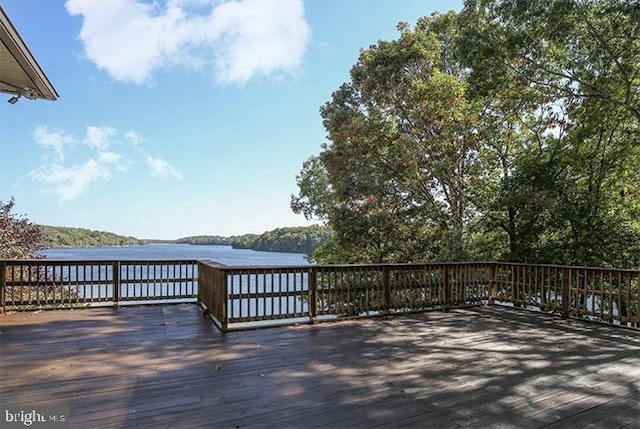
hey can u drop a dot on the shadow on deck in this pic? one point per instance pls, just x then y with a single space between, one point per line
167 366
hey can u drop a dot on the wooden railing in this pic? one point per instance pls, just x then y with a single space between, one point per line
235 296
45 283
600 294
238 297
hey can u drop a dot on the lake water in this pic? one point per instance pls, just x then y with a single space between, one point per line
223 254
135 287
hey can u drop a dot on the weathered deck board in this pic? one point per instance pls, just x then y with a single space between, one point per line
167 366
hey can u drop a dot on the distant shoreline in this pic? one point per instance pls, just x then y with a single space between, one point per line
302 240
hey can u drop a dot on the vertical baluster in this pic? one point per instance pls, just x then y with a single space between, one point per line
249 294
531 299
12 273
298 286
265 275
115 275
282 278
619 297
587 292
3 286
601 295
152 281
592 291
628 305
34 277
58 273
28 285
637 306
312 286
254 284
566 294
244 295
171 272
234 292
300 308
146 276
244 304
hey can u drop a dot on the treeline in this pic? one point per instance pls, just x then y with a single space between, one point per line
204 240
302 239
61 236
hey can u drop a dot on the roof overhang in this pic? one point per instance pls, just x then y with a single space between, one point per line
20 73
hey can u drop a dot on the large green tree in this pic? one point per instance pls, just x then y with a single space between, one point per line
394 180
565 74
508 131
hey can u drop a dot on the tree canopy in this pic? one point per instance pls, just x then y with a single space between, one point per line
508 131
62 236
19 238
301 239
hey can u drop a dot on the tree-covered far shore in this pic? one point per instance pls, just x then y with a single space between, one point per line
288 239
62 236
300 239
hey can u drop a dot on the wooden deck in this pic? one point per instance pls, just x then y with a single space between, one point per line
167 366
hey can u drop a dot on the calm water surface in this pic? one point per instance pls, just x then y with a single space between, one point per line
223 254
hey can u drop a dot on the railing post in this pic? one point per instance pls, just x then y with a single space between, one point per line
116 284
3 285
224 289
386 289
566 294
203 287
493 285
313 294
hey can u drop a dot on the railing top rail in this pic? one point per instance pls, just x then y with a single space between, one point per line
211 263
341 266
407 264
48 261
573 267
218 265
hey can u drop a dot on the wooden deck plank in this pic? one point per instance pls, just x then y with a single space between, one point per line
167 366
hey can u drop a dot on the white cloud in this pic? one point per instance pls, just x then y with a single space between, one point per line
99 137
160 169
109 157
240 39
54 139
134 138
112 158
70 183
259 36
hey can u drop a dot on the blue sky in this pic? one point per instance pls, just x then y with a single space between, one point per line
180 117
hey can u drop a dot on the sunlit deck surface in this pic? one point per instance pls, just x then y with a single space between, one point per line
167 366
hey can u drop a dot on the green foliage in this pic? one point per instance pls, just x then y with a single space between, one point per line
295 239
561 81
60 236
509 131
22 239
394 181
19 238
302 239
204 239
